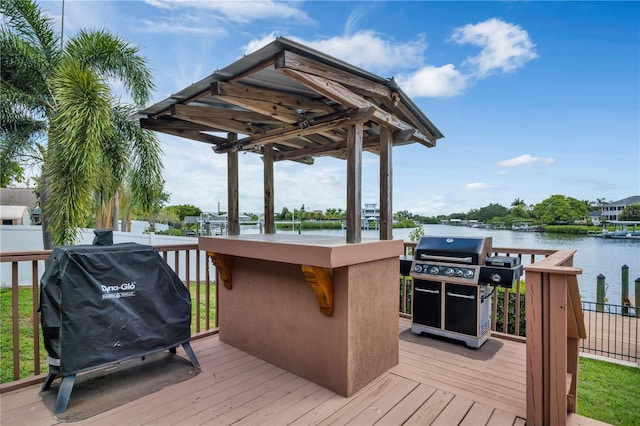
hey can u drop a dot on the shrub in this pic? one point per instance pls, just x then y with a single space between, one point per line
511 327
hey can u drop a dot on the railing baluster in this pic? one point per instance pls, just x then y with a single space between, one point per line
207 292
517 306
36 323
505 311
494 311
15 318
198 291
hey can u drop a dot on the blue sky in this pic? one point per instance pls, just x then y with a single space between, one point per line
534 98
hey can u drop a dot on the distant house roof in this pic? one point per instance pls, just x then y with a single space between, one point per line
625 201
13 212
18 197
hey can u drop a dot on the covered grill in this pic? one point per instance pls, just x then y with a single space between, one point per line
103 304
452 286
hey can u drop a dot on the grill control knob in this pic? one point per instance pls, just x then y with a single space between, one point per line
468 273
449 272
434 270
459 272
496 278
417 268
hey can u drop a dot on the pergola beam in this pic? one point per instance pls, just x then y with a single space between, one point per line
212 121
338 119
371 144
288 59
243 91
344 96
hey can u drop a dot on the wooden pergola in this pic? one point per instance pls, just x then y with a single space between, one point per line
289 102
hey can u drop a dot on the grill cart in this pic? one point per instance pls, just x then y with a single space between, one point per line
104 304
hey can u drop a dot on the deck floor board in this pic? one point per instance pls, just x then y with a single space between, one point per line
428 386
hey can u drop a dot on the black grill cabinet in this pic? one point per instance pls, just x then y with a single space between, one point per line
103 304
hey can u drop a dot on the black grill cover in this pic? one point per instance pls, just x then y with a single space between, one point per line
105 304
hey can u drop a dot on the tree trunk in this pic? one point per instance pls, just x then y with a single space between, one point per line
47 238
116 212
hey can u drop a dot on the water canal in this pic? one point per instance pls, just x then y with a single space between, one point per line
594 255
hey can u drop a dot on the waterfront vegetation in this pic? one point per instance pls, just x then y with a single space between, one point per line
25 327
557 214
573 229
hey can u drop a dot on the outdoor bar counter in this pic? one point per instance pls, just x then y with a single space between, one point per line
316 306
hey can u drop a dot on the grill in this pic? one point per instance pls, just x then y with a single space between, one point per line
454 278
103 304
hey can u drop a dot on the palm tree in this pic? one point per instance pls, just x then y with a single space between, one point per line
93 142
518 202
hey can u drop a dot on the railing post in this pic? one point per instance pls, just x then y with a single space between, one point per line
625 290
535 359
554 326
600 294
637 300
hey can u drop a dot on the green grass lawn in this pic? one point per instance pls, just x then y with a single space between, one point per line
609 392
25 310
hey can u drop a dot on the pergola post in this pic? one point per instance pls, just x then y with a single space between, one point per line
232 190
267 158
354 183
386 184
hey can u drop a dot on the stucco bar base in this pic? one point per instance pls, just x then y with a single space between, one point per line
272 312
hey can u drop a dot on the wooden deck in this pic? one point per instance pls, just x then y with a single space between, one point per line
428 386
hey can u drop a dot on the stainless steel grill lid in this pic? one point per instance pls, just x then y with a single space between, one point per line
468 250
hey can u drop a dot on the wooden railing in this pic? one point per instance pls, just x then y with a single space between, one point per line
187 261
506 306
553 328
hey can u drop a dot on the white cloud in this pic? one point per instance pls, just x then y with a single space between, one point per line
524 160
371 51
366 49
256 44
433 82
240 12
476 185
183 24
505 47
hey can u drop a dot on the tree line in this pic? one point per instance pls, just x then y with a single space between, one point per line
554 210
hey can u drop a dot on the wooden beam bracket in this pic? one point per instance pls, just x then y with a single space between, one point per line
224 266
321 281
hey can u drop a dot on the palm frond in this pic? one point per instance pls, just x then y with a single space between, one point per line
25 73
145 157
74 153
115 58
27 20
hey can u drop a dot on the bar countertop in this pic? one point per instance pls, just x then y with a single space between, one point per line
314 250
